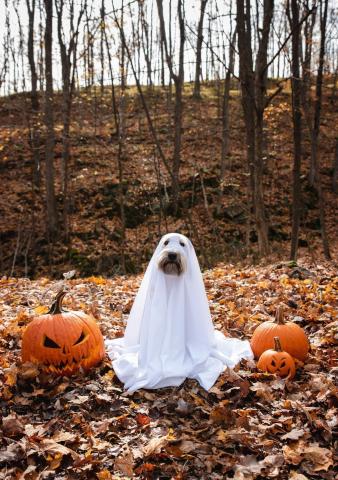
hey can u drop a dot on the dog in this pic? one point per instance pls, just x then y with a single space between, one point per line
172 259
170 335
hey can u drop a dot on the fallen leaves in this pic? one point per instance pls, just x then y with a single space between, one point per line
313 457
249 425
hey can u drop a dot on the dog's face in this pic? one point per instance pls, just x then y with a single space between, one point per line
172 259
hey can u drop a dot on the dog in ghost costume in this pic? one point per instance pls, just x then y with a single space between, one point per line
169 335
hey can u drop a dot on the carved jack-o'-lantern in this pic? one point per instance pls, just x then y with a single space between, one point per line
63 342
276 361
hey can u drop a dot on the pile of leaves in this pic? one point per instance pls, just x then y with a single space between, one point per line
250 425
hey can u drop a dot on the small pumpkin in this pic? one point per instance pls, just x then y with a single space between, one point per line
277 361
292 336
63 342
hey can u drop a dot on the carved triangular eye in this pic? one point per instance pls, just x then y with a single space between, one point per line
49 343
81 338
273 363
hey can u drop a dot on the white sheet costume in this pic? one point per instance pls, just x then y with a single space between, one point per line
169 334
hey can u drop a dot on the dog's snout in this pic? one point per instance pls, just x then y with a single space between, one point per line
172 262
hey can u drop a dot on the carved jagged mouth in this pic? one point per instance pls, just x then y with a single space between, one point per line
64 366
278 371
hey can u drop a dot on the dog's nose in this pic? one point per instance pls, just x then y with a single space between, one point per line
172 256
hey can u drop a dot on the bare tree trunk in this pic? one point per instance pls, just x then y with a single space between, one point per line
68 65
335 169
225 120
318 99
253 85
179 81
197 84
261 103
102 34
121 151
334 86
146 48
120 125
315 177
49 122
306 61
113 95
293 16
6 41
34 132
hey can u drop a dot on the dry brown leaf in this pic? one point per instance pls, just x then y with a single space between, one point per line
28 371
12 426
188 446
297 476
11 374
104 475
15 452
263 391
27 473
67 437
294 434
124 463
317 459
222 415
293 453
155 446
51 447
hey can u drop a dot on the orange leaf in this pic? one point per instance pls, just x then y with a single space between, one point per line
142 419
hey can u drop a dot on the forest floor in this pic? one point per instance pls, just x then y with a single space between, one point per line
95 244
250 426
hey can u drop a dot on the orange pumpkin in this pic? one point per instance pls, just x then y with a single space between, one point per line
63 342
277 361
292 337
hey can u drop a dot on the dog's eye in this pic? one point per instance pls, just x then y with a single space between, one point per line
182 244
166 242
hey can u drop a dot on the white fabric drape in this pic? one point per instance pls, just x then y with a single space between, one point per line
169 334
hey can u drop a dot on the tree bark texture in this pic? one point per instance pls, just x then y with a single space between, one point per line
293 15
49 122
253 86
197 83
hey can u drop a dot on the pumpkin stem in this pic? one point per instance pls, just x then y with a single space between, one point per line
278 347
56 307
279 317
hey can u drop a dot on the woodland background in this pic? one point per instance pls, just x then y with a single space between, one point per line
121 121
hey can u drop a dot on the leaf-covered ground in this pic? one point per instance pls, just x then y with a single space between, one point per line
248 426
95 225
